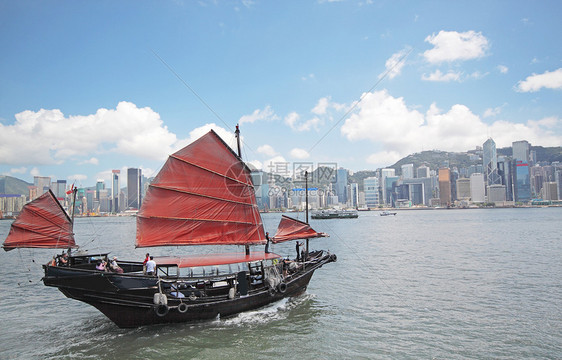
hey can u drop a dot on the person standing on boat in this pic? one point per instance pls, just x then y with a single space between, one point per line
151 266
144 263
267 244
297 246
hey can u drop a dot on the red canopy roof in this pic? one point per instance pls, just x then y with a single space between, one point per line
203 195
293 229
214 259
42 223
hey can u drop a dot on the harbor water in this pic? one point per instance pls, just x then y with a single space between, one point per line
434 284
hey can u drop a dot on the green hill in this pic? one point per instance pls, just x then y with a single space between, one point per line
12 185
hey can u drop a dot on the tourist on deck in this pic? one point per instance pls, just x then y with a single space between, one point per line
151 266
113 266
101 265
297 246
267 243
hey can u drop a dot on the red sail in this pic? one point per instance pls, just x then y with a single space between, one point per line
292 229
203 195
42 223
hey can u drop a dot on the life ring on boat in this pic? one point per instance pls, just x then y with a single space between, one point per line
282 287
161 310
182 308
271 291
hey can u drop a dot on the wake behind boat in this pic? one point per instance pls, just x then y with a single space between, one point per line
203 195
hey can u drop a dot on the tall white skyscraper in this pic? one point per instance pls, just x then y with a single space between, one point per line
408 171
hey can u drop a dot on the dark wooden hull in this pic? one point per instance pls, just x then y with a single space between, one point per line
128 299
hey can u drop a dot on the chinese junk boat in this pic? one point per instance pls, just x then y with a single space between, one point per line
203 195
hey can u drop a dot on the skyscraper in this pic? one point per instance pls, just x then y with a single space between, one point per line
115 190
408 171
477 188
521 150
384 174
371 188
490 160
341 185
445 187
134 188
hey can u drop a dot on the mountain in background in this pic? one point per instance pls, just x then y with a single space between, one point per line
12 185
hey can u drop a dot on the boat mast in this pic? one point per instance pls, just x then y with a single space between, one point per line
74 191
237 134
306 205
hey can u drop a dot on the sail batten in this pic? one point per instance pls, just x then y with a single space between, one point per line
203 195
42 223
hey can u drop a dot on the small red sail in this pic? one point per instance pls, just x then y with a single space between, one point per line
203 195
293 229
42 223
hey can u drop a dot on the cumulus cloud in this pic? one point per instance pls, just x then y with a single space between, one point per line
549 80
295 123
395 63
299 154
401 130
267 150
91 161
451 46
503 69
437 75
259 114
50 137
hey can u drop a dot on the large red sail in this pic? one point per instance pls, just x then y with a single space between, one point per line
42 223
203 195
293 229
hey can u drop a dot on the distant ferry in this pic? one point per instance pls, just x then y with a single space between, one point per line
387 213
334 214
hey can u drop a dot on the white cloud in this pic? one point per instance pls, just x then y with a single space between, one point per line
383 158
267 150
20 170
299 154
77 177
453 46
293 120
492 112
265 114
503 69
395 63
549 80
35 172
437 75
400 130
322 106
126 130
91 161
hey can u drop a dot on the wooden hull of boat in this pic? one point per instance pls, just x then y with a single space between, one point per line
127 300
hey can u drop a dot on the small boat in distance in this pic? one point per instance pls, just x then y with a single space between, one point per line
334 214
203 195
387 213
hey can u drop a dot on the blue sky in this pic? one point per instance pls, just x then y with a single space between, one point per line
91 86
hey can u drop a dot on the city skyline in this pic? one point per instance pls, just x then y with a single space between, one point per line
358 83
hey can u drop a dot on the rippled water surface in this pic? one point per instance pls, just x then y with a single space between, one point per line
436 284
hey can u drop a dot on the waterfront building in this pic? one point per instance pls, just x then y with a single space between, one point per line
522 191
371 189
419 190
496 194
390 183
384 174
550 191
504 170
423 172
353 195
445 198
60 191
114 201
490 162
521 150
341 185
42 184
134 188
408 171
463 189
477 188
